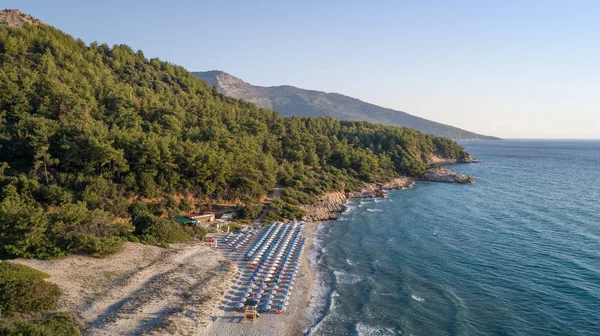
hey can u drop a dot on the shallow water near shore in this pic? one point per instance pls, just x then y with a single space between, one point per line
517 253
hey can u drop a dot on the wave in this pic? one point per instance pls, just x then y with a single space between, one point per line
367 330
345 278
417 298
375 210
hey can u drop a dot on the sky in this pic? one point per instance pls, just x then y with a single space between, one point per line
513 69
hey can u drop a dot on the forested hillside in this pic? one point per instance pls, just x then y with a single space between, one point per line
94 140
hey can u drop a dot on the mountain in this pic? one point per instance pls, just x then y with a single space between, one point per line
293 101
16 18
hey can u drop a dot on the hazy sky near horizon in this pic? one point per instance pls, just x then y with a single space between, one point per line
518 69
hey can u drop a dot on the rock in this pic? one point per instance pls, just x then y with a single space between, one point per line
398 183
435 159
326 207
443 174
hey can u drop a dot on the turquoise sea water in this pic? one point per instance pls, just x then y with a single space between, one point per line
517 253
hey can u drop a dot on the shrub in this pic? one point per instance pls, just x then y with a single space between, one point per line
185 205
23 289
60 324
99 246
155 230
250 211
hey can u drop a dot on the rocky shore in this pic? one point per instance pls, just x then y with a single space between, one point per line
331 204
443 174
434 159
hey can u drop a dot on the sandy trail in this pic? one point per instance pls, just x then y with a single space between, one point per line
142 289
227 321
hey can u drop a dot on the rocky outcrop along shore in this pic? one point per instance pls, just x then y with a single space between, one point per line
326 208
443 174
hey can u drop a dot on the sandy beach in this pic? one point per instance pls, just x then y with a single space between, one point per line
142 289
188 289
229 322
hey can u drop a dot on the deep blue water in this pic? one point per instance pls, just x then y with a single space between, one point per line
516 253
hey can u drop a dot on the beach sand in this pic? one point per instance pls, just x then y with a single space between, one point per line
188 289
229 322
142 289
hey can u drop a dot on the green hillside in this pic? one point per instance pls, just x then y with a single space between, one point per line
94 140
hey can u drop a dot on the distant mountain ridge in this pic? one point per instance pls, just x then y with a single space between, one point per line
290 100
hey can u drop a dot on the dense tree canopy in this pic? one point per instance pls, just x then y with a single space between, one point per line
87 129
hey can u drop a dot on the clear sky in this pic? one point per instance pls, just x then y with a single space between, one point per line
525 69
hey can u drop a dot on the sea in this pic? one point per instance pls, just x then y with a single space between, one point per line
516 253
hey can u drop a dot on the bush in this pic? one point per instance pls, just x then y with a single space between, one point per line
155 230
185 205
282 210
99 246
60 324
250 211
23 289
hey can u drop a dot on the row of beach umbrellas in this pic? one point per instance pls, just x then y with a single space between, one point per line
276 256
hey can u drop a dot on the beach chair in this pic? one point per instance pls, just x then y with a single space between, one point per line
250 314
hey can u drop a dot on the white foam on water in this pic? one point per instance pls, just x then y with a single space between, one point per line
344 278
321 291
417 298
350 262
375 210
367 330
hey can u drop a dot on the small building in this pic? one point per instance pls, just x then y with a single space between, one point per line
185 220
206 216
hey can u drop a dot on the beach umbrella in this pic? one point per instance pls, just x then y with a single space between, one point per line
247 289
256 296
285 298
268 302
266 308
239 305
273 292
285 303
260 291
285 293
270 296
245 295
